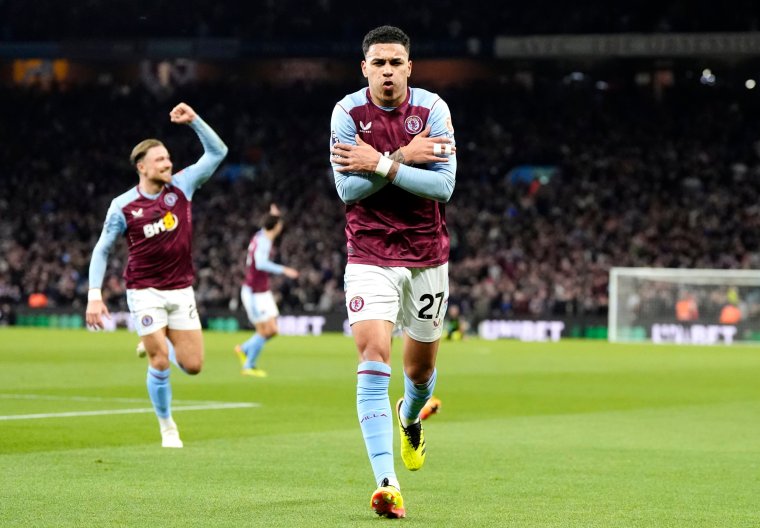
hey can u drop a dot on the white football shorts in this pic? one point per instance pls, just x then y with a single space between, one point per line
260 307
154 309
414 298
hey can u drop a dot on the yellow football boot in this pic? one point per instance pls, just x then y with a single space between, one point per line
240 355
412 442
254 373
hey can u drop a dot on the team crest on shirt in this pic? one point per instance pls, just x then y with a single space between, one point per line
147 320
170 199
356 304
413 124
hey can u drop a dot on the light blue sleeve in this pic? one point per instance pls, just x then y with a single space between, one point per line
261 256
438 180
214 151
351 186
113 228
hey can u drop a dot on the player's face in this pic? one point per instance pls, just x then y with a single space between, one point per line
387 68
156 165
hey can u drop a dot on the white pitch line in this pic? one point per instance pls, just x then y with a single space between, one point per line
233 405
47 397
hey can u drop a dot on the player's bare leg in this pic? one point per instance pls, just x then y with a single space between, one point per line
188 345
419 359
157 349
373 340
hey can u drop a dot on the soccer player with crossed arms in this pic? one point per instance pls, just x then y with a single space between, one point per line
155 218
393 158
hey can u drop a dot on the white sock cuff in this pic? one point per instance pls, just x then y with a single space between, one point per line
392 481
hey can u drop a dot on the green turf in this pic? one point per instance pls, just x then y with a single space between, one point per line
572 434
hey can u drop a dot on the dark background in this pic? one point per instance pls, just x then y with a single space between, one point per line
645 158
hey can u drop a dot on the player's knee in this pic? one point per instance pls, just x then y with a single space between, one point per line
159 362
191 361
419 373
192 366
373 352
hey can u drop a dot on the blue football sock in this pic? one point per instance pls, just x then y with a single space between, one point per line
376 417
416 396
173 355
160 391
252 349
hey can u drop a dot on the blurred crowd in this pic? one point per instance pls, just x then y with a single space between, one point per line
556 184
652 300
342 20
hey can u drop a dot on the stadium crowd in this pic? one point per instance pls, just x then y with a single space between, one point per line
270 20
555 185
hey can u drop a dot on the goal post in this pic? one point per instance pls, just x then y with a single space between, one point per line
674 305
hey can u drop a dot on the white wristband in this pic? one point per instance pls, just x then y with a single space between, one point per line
384 165
94 294
439 149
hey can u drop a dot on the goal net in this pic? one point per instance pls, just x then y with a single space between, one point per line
672 305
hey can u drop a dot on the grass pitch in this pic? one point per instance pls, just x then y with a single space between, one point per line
570 434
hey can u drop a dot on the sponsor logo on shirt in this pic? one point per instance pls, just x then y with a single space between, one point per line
365 128
413 124
137 213
168 223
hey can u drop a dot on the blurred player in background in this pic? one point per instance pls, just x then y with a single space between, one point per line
456 326
256 296
394 167
155 217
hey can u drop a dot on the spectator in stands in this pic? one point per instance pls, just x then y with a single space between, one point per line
513 253
686 308
730 314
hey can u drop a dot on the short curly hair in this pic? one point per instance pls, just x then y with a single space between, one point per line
141 149
386 35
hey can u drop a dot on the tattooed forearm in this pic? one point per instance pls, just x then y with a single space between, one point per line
398 156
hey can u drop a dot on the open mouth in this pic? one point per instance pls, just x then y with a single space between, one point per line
388 84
